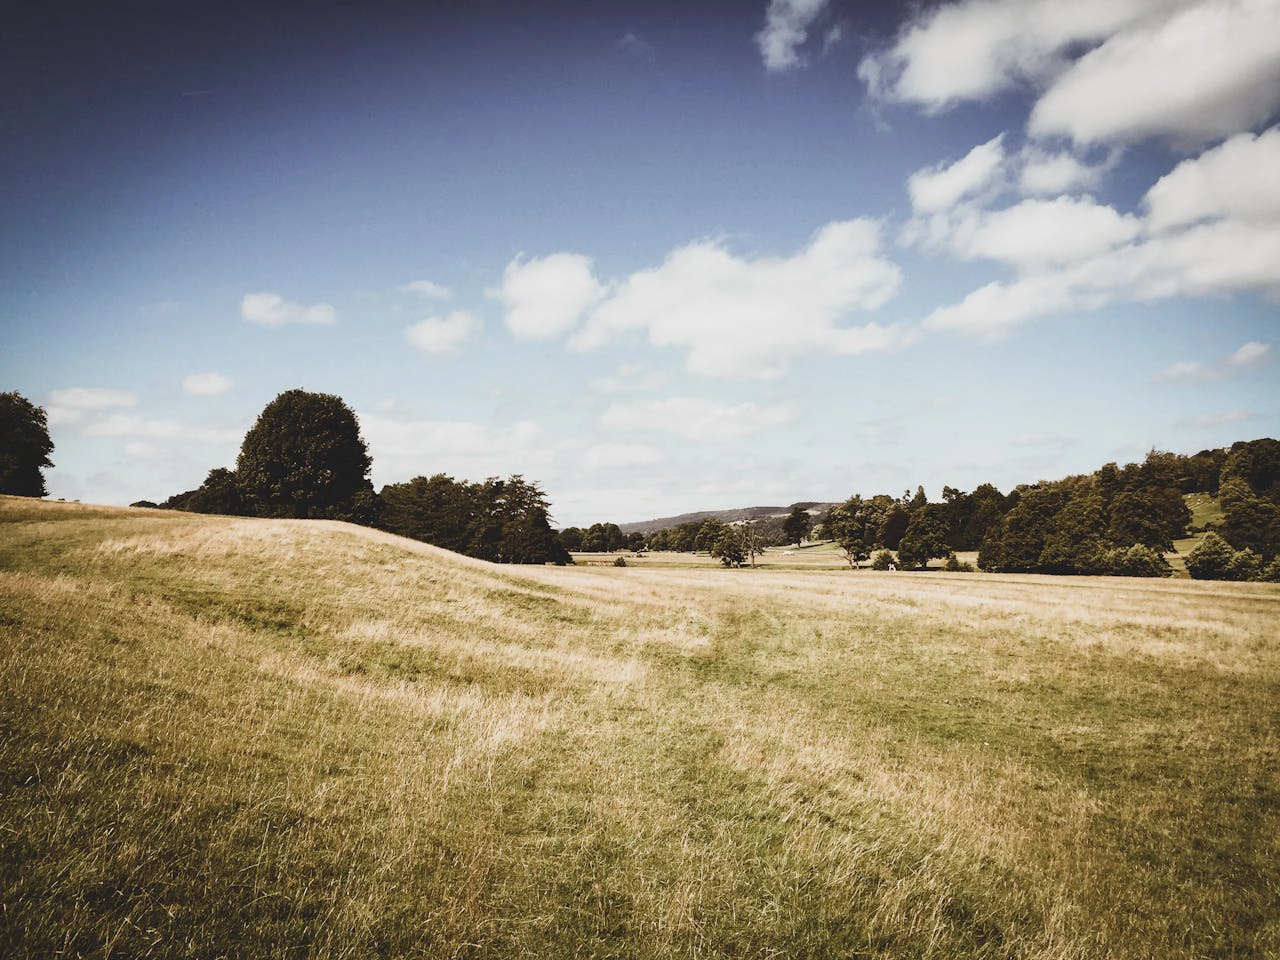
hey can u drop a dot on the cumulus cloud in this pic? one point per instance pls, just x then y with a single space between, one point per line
1064 230
1053 174
151 428
547 297
271 310
786 28
442 334
1236 179
428 289
1206 70
1109 71
72 404
695 418
741 318
1248 356
630 378
207 384
402 448
942 187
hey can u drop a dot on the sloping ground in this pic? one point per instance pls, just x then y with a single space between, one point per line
303 739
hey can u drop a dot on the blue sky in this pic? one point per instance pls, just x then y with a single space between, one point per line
656 256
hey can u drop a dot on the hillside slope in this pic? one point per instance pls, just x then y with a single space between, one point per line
228 737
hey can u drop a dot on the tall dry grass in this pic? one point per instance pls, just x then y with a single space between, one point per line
301 739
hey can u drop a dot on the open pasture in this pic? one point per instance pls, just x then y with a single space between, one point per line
228 737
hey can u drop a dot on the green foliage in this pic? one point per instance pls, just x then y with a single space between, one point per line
955 565
883 560
620 562
504 521
1249 521
304 457
728 550
1138 560
1215 559
797 525
24 446
925 538
220 493
851 526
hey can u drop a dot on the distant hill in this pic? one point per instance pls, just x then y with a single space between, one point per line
728 516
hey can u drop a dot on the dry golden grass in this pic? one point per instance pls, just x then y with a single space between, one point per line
304 739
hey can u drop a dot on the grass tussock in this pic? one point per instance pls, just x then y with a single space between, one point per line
258 738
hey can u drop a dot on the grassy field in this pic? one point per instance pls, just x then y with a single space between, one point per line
244 738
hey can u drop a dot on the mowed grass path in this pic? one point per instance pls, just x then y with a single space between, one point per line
244 738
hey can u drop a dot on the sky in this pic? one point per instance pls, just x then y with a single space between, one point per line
655 256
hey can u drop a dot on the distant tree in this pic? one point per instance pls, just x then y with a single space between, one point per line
925 538
1075 536
1151 515
727 549
1017 542
635 541
24 446
1249 521
750 535
709 531
849 524
884 560
220 493
1215 559
304 457
797 525
1138 560
437 510
571 539
1257 463
893 524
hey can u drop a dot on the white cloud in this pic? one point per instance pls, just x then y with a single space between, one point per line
70 405
1053 174
1208 70
1236 179
1219 419
973 49
1064 230
442 334
1248 356
695 418
743 318
428 289
270 310
404 448
630 378
787 24
207 384
548 296
1110 71
940 188
617 456
148 428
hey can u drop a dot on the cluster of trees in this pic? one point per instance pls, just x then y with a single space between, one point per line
1246 544
305 458
601 538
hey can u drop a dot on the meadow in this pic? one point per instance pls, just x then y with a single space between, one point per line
253 738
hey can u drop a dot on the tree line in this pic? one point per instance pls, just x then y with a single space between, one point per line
305 458
1117 521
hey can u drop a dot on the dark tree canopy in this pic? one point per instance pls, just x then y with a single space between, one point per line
304 458
504 521
24 446
797 525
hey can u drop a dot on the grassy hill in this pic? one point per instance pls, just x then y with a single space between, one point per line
229 737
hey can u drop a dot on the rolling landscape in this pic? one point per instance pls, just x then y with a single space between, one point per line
280 738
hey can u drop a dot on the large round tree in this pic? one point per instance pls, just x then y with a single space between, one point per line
304 458
24 446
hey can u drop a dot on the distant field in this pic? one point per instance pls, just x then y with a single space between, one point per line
277 739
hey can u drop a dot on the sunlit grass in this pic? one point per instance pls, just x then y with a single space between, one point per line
271 738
